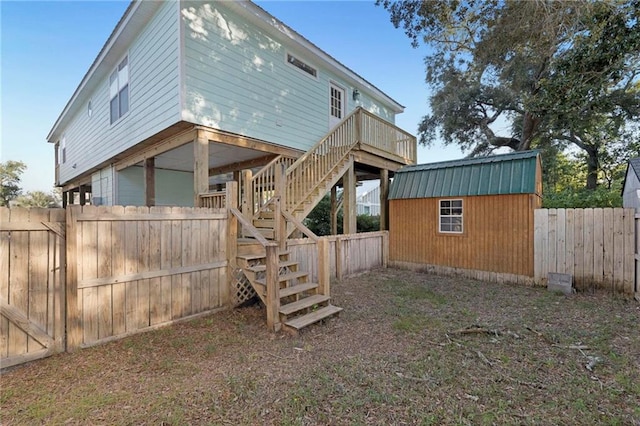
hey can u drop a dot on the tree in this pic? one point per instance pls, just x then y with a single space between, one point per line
561 73
10 174
40 199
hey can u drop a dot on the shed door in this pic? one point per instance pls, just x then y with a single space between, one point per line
336 105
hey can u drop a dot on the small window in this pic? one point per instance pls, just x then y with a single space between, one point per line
90 109
450 216
301 65
119 90
63 150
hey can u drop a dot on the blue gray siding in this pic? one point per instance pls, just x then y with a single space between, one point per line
153 99
173 188
237 79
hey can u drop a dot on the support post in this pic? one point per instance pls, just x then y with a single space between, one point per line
200 166
384 203
231 197
280 224
247 194
65 198
83 195
149 181
273 288
349 201
74 330
324 267
334 210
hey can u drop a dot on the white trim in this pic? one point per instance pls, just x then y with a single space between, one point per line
333 121
440 216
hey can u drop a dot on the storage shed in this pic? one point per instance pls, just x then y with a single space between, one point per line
470 214
631 187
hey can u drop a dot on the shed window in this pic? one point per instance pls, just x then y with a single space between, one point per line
119 90
301 65
451 216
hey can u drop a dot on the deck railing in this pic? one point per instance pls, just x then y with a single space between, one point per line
262 186
387 137
213 200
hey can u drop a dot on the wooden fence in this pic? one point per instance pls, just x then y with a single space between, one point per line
349 254
132 268
595 246
32 262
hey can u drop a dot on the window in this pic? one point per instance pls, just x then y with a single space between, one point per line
62 158
337 96
90 109
451 216
301 65
119 90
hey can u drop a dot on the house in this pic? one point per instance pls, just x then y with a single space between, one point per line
189 97
631 186
468 215
369 202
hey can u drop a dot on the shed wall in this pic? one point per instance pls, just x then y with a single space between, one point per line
630 197
498 233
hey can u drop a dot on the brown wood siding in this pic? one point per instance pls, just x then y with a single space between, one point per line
498 233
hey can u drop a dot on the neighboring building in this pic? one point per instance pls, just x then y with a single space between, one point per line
186 94
473 214
369 202
631 187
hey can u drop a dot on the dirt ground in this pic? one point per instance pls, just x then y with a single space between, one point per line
408 348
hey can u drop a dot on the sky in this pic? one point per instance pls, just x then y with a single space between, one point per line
46 47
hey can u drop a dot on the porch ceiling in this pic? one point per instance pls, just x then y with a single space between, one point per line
181 158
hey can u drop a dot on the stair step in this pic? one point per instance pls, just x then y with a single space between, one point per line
267 232
262 268
261 255
301 304
285 277
297 289
263 223
312 317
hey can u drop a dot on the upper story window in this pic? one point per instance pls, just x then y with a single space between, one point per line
119 90
62 154
302 65
450 216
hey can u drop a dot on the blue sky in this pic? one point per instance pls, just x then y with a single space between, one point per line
47 47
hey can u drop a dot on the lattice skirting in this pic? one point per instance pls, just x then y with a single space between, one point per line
243 288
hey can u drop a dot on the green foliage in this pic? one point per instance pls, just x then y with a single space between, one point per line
40 199
319 220
558 74
10 175
584 198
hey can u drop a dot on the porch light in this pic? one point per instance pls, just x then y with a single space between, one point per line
356 94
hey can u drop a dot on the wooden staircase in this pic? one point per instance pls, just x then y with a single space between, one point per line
300 301
278 197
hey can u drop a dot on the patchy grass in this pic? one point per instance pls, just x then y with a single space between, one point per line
409 348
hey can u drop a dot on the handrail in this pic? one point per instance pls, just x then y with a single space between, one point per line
248 226
298 224
263 183
214 199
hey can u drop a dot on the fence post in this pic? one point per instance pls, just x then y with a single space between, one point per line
339 268
74 330
273 286
247 194
324 267
231 198
385 249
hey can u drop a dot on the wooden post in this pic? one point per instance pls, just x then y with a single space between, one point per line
334 210
247 194
65 199
279 220
74 330
358 118
231 197
349 201
273 296
200 167
384 203
339 266
83 195
385 249
324 267
150 181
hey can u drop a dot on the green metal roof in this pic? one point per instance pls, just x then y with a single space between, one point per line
513 173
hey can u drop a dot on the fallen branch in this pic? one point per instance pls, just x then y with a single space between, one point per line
539 334
576 347
476 330
484 358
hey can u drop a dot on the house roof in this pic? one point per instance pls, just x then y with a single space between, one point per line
138 14
513 173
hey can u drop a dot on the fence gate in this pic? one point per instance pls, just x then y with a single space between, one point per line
32 284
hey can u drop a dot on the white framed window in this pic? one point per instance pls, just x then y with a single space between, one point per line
62 155
301 65
90 108
450 217
119 90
